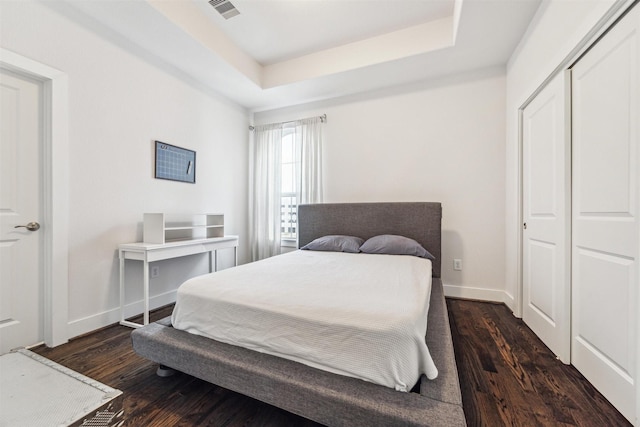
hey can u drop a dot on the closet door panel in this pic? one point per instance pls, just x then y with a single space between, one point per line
604 320
546 214
605 99
606 172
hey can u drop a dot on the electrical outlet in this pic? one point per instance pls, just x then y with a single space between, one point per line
457 264
155 271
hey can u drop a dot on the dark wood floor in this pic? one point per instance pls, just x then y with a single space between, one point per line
508 377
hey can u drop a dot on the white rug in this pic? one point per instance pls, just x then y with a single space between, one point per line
34 391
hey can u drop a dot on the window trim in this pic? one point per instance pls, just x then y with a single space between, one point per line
288 242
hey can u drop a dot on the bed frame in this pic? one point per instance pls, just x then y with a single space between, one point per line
328 398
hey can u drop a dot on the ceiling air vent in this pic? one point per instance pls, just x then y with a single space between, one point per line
224 8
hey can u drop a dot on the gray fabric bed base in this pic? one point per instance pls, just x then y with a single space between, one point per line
327 398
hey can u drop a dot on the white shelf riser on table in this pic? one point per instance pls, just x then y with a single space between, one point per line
162 228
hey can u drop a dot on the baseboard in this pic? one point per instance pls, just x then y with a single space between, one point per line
106 318
510 301
482 294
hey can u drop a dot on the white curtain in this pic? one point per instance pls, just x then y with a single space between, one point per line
265 179
265 189
308 137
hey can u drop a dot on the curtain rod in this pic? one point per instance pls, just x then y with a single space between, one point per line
323 118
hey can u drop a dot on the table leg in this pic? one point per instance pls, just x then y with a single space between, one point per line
145 320
122 261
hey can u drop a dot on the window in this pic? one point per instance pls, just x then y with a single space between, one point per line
289 203
286 161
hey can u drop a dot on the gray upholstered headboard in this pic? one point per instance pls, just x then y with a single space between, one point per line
420 221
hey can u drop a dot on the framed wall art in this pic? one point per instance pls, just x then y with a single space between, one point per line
175 163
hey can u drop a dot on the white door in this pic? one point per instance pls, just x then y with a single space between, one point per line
20 248
546 206
606 124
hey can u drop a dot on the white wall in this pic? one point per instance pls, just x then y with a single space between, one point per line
437 141
558 27
119 104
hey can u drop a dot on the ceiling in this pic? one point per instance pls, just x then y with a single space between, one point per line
279 30
278 53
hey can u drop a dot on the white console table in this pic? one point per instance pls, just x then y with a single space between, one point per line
150 252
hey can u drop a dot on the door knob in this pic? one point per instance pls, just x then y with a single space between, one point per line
32 226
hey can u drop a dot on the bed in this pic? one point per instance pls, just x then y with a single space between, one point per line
327 397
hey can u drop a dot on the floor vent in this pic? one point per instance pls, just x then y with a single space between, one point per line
224 8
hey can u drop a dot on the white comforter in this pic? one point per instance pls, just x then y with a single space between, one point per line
359 315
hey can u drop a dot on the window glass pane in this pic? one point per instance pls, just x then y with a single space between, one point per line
288 205
289 220
287 148
288 179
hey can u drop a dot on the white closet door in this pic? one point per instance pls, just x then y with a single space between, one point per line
606 121
546 207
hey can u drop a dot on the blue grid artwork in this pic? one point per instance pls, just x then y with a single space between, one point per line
175 163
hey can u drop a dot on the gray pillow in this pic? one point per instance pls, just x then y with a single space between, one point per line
335 243
391 244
